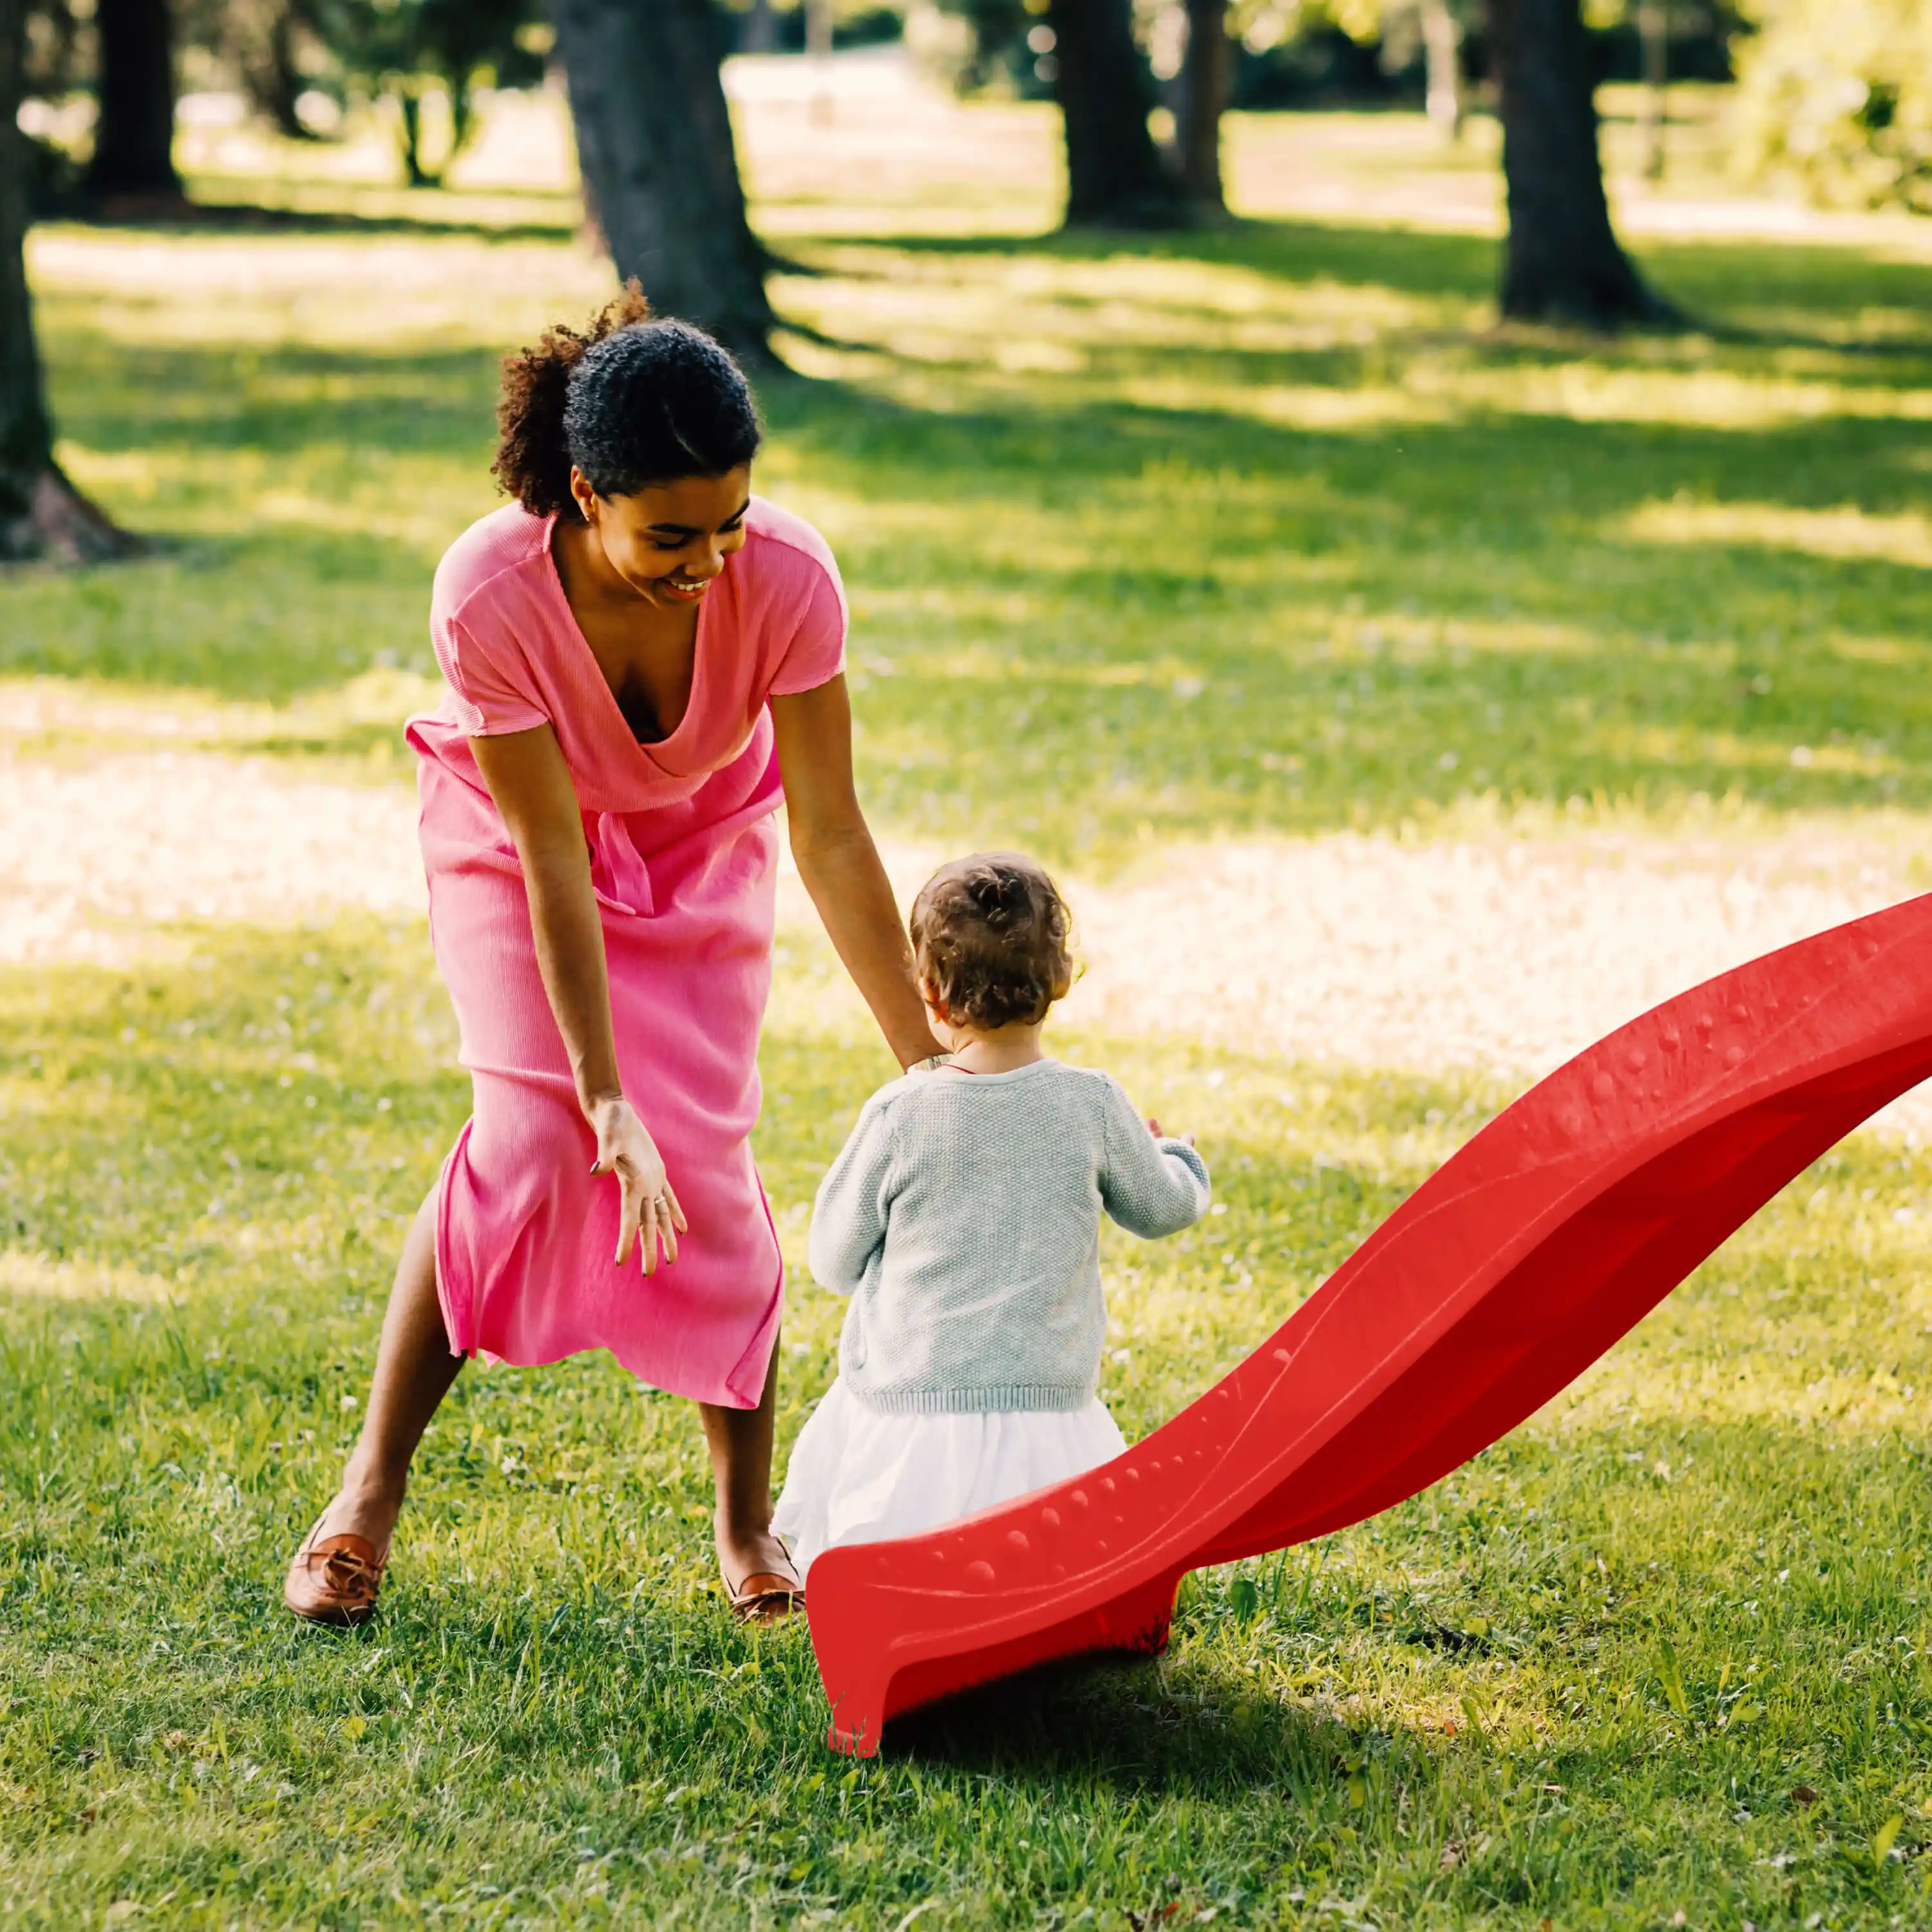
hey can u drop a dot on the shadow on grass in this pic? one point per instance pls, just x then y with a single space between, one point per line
1042 558
231 218
1134 1722
1720 282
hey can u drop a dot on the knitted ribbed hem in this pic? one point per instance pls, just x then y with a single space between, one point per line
1002 1396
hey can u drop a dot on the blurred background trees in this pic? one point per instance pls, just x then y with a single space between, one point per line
660 168
413 53
1833 99
41 513
134 87
1836 97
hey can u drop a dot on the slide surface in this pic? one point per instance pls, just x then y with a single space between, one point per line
1511 1269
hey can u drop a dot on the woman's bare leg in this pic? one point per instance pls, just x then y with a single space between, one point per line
740 1442
414 1369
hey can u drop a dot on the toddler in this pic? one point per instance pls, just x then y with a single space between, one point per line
963 1218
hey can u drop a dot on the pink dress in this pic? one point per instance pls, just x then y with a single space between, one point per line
683 850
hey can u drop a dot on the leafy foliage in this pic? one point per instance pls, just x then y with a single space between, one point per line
1836 95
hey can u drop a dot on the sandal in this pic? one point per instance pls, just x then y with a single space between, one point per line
765 1596
336 1580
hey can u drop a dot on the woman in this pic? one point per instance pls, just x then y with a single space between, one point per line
642 659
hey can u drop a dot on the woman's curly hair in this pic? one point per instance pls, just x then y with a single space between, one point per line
630 400
992 938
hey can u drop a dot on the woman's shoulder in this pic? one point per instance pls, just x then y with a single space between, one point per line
507 541
786 546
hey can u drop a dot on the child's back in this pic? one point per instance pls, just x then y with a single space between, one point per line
963 1218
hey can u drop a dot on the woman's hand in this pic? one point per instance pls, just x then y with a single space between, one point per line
1160 1133
647 1206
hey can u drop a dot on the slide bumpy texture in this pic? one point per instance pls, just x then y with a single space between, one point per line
1501 1278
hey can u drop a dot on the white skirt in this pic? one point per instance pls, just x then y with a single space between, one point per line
858 1476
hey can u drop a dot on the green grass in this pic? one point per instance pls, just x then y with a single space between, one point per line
1273 511
1580 1680
1263 532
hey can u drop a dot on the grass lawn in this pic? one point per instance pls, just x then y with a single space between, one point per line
1263 531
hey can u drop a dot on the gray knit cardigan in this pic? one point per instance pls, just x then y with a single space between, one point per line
963 1218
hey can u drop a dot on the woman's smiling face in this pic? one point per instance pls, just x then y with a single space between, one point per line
669 542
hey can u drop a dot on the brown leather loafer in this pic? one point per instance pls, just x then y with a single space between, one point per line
335 1579
765 1598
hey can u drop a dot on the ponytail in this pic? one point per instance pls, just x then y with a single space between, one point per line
533 460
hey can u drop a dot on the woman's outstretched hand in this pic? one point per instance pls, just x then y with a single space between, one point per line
647 1208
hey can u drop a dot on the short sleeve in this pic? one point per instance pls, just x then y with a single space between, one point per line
489 700
816 653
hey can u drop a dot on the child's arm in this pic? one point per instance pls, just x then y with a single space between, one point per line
848 1219
1151 1187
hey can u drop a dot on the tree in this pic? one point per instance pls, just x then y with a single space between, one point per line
41 513
134 124
1206 76
1562 261
1115 176
654 142
405 49
264 41
1442 52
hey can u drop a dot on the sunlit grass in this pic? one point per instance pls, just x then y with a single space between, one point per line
1265 530
1580 1679
1324 550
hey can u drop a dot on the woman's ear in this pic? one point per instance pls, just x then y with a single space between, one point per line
583 494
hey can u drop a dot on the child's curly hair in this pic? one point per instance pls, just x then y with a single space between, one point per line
630 400
992 937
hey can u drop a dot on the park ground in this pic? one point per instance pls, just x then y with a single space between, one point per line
1405 702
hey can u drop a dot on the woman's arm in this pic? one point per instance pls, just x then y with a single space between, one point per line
531 784
840 864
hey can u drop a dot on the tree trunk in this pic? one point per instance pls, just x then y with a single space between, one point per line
134 127
1562 261
1442 48
409 134
654 142
41 513
271 77
761 29
818 51
1115 177
1653 27
1207 74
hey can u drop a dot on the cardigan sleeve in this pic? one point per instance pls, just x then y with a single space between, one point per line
848 1219
1151 1187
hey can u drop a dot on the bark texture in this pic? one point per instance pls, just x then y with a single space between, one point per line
134 129
1115 176
1562 261
660 170
1207 74
41 513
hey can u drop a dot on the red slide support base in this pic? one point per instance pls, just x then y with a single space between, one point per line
1510 1270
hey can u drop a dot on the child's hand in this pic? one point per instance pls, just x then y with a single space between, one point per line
1155 1128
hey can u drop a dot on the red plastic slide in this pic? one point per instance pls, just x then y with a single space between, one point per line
1501 1278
